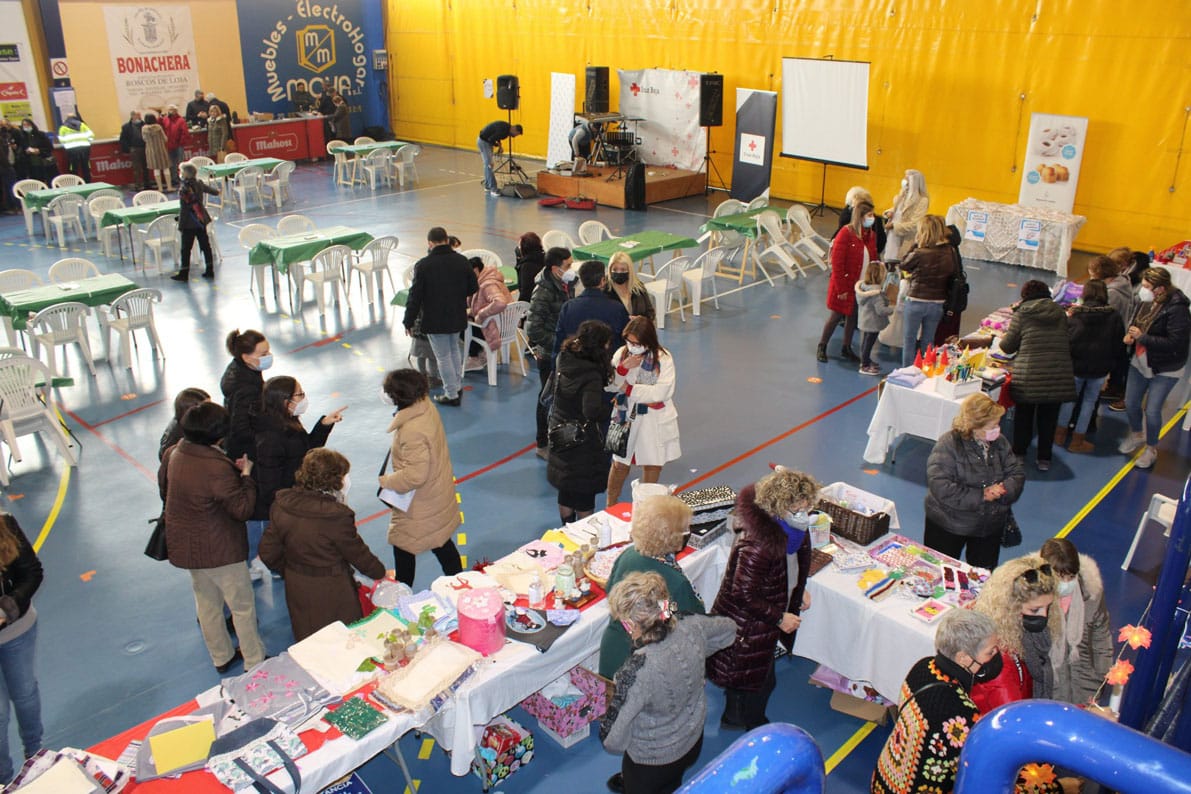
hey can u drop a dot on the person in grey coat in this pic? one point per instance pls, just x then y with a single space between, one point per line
657 712
873 311
972 480
1043 375
1083 652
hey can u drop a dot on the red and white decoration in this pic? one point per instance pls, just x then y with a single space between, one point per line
668 101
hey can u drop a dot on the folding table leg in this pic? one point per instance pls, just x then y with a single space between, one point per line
394 752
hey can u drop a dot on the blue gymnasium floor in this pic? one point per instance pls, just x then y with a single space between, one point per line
118 639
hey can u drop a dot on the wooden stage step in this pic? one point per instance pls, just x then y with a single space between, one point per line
661 184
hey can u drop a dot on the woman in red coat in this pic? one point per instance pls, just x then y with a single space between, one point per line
854 246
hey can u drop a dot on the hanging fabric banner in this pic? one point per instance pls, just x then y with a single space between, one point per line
1054 151
667 102
19 87
562 117
152 51
756 114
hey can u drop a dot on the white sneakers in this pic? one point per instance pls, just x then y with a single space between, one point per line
1146 459
1132 443
258 571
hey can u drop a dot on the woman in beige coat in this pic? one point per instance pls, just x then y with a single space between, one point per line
901 220
421 463
157 156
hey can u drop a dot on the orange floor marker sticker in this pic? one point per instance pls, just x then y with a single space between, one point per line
12 497
129 396
775 317
1011 284
870 471
813 379
86 575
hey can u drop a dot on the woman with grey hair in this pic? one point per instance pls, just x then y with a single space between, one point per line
660 703
937 713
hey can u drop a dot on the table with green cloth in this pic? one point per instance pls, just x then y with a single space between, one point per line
741 222
361 149
146 213
17 305
639 246
281 252
226 170
38 200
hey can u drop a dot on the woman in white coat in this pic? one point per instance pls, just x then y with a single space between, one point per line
901 220
644 382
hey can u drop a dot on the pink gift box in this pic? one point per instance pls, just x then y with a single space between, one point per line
565 721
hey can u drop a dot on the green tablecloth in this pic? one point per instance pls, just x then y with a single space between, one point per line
282 251
362 149
93 291
40 199
128 216
641 245
225 170
742 222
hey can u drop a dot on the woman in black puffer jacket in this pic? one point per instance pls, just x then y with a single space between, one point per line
580 472
1096 348
20 577
1043 378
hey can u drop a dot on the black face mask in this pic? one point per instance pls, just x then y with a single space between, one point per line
619 278
1034 623
990 669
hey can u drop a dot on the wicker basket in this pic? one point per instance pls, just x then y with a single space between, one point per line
854 526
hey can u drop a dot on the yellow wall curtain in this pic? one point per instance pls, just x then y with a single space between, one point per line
946 83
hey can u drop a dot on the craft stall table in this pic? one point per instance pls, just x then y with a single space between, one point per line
920 411
1179 276
997 233
639 246
499 682
17 306
745 224
124 218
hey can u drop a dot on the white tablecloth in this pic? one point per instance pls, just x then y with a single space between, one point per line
1180 277
1000 240
867 641
917 412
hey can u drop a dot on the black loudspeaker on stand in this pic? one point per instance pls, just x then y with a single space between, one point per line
596 90
508 98
711 114
508 92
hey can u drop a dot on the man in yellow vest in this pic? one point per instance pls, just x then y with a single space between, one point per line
76 137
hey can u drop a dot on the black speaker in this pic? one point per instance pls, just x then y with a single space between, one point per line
711 100
508 92
597 89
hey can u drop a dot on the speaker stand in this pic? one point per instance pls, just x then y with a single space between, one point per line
821 207
507 165
709 166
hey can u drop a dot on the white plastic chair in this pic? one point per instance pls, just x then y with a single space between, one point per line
490 258
248 181
250 235
403 163
72 268
17 278
294 224
345 167
25 409
665 287
235 157
130 312
215 211
512 337
556 238
276 182
362 140
91 220
160 237
1161 511
757 203
326 270
19 190
61 324
789 255
700 272
148 197
62 214
729 240
376 166
107 235
200 160
67 180
592 232
798 217
373 260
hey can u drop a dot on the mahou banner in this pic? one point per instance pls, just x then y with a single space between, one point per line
152 50
667 101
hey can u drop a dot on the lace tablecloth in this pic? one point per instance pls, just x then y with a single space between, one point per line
1000 239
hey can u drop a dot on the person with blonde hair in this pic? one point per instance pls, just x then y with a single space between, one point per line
901 220
1018 597
771 538
624 286
660 703
854 196
972 480
930 267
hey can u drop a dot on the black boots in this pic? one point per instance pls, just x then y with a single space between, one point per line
821 354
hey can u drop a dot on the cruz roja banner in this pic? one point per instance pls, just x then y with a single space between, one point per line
287 44
756 114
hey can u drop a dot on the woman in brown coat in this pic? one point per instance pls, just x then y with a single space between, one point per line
312 542
157 155
421 463
755 593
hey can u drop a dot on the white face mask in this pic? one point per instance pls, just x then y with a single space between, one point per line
635 350
301 407
385 398
799 519
568 276
1145 295
1066 588
905 184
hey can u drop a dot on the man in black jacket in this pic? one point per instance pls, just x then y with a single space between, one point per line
443 281
489 143
196 110
591 304
133 144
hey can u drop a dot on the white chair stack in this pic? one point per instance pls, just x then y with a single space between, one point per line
512 337
26 409
132 311
789 255
61 324
797 217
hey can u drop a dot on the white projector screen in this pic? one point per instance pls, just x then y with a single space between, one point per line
825 111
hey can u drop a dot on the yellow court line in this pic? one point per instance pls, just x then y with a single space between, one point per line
847 747
59 499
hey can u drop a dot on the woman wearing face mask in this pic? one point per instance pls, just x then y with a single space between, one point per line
901 220
1084 645
1159 333
281 445
1018 597
972 479
853 248
241 385
624 286
755 591
313 543
644 385
35 154
937 713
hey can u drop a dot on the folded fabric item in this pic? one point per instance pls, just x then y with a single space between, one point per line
435 668
548 555
515 571
906 376
67 771
413 607
449 588
356 718
372 630
280 689
332 655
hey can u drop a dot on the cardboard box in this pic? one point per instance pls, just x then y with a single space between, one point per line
567 741
564 722
858 707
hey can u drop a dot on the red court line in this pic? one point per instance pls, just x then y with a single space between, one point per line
774 440
128 413
320 343
152 476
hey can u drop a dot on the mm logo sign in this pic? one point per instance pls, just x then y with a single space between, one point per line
316 48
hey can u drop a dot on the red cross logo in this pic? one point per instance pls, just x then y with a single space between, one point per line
635 89
752 145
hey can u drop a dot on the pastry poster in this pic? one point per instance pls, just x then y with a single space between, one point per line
1054 150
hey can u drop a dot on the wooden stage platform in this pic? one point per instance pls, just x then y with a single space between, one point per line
661 184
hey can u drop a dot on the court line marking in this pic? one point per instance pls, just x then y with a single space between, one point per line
847 747
151 476
59 500
129 413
